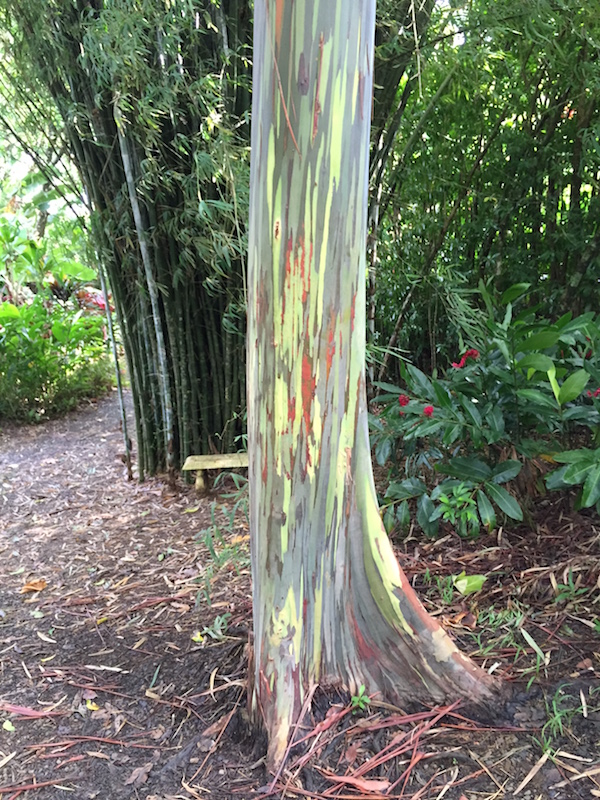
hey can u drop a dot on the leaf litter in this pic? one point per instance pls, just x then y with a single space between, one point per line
105 694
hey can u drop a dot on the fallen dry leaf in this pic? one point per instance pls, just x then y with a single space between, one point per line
45 638
35 585
97 754
362 784
139 775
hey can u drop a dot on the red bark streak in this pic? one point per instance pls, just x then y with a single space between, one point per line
278 22
352 312
317 107
309 385
291 409
365 650
265 469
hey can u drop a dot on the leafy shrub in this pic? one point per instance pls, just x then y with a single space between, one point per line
519 394
50 358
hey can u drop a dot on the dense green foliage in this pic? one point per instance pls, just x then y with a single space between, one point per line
501 181
52 349
51 357
522 394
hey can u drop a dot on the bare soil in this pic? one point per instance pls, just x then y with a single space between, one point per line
124 618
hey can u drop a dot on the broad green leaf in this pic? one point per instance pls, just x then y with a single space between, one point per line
403 514
539 341
514 291
73 269
581 413
495 419
468 584
387 387
580 323
442 395
375 423
486 511
504 501
9 311
452 434
536 361
591 488
503 347
471 409
60 331
554 384
383 450
555 480
506 471
575 474
389 519
429 427
582 454
445 486
421 382
573 386
425 510
466 468
564 320
507 317
410 487
537 397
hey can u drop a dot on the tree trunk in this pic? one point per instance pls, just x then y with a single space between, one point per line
331 604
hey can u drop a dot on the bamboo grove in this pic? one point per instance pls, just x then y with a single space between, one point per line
154 101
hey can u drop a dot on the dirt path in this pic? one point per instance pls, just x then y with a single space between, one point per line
114 692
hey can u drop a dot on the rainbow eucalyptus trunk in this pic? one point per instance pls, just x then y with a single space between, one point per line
331 604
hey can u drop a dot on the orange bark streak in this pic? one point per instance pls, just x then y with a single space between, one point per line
365 650
278 23
308 394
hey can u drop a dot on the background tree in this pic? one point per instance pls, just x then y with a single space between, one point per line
331 604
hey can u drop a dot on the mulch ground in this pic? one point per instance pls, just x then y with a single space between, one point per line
124 618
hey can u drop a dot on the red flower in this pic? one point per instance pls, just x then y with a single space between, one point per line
404 400
428 411
595 393
472 353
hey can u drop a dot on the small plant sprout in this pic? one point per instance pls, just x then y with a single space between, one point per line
216 631
360 701
569 590
468 584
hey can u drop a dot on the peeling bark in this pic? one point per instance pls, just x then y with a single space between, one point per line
331 603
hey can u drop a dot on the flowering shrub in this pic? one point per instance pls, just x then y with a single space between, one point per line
472 353
50 359
520 392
